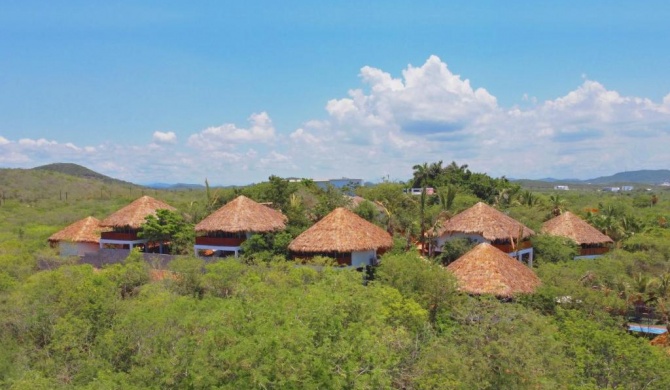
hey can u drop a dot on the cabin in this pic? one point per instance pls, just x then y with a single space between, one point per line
125 223
223 232
79 238
482 223
344 236
486 269
592 242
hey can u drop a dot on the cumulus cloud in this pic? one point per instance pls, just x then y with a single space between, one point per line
273 159
160 137
432 114
428 99
228 135
389 123
300 135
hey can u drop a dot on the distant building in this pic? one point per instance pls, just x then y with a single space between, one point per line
562 188
627 188
611 189
417 191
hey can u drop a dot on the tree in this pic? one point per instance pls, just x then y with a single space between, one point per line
447 195
527 198
366 210
557 204
330 199
169 226
421 177
279 192
553 249
431 285
492 345
130 275
608 357
453 249
188 278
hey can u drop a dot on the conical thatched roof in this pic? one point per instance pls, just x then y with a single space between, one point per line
341 231
84 230
486 221
486 269
243 215
135 213
571 226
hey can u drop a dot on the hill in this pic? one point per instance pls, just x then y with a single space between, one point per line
79 171
646 176
62 182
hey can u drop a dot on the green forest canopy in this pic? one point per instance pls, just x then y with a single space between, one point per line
263 322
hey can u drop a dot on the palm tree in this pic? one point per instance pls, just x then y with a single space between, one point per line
557 205
527 198
663 284
447 195
421 175
435 170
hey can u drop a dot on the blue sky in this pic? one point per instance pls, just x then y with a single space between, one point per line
237 91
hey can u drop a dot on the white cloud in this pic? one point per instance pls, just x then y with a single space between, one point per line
273 159
227 135
432 114
300 135
388 124
160 137
36 143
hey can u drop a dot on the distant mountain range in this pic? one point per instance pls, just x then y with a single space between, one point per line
178 186
646 176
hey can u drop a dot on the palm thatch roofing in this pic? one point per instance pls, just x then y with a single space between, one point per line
341 231
134 214
571 226
486 269
84 230
484 220
243 215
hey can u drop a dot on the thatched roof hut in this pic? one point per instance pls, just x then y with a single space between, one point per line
243 215
488 270
482 219
341 231
134 214
571 226
84 230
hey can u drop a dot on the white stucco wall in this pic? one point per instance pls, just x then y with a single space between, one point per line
77 248
360 259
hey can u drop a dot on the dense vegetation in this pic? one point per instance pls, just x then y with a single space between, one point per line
263 322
